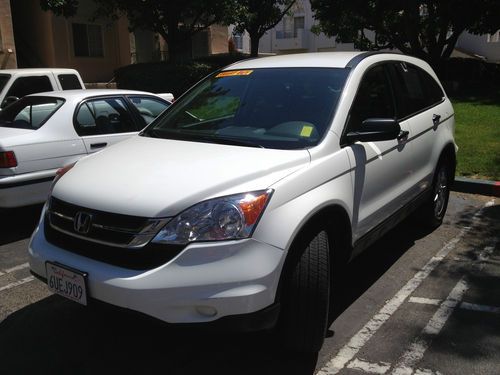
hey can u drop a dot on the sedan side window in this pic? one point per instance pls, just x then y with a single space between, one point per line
103 116
373 100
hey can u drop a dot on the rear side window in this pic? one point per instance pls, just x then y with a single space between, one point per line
104 116
69 81
434 92
416 89
23 86
30 112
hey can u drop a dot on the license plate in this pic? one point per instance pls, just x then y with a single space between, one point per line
67 282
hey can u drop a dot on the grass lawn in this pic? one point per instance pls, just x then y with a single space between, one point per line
478 138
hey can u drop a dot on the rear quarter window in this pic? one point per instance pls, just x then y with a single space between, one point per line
30 112
69 82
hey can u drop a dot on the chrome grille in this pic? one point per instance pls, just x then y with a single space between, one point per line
105 228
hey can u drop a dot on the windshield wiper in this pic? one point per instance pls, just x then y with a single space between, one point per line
233 141
154 133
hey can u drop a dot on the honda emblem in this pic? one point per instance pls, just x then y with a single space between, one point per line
82 222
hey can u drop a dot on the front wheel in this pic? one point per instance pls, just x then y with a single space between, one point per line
306 296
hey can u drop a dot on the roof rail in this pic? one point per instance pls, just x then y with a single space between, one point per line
358 58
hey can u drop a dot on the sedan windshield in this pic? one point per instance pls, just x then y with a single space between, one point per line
30 112
282 108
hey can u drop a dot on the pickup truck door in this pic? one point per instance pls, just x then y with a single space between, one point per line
104 121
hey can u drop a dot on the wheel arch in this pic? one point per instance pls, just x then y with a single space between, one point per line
336 221
448 153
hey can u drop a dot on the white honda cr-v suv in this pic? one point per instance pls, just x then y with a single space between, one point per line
236 204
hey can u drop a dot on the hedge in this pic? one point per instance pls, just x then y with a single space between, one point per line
459 75
160 77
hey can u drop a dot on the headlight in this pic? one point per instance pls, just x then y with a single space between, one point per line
226 218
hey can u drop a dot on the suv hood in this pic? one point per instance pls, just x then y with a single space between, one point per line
160 178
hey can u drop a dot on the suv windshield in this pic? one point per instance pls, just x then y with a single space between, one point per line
30 112
282 108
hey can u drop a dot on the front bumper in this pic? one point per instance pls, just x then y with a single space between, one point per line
204 283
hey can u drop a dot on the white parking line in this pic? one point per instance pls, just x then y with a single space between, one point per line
349 351
372 368
15 268
480 308
463 305
425 301
405 364
17 283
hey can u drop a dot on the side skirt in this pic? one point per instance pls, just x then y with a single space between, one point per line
389 223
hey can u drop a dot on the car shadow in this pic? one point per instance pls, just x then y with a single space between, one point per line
59 336
19 223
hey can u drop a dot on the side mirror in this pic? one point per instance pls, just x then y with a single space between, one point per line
375 129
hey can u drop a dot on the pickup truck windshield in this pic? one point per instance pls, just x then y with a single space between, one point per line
281 108
30 112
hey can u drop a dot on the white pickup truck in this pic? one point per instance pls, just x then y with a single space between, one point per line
16 83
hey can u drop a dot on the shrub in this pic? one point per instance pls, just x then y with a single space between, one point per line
462 76
175 78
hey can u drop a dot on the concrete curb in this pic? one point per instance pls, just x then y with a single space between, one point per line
473 186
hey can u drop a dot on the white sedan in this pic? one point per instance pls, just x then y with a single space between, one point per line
43 132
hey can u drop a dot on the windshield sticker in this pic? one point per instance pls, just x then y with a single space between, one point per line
232 73
306 131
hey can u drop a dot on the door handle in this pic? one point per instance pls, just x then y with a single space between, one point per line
403 135
98 145
436 119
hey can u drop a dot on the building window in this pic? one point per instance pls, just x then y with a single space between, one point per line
290 27
87 40
298 24
238 41
493 38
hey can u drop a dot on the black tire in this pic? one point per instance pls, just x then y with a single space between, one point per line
305 299
432 212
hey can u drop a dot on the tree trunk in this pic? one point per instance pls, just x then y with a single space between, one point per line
254 44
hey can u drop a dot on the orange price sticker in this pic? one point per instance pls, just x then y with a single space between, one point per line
232 73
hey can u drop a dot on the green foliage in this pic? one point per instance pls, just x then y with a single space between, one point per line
164 77
216 108
478 137
428 29
257 17
66 8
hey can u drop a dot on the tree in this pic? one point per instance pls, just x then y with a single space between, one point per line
428 29
257 17
175 20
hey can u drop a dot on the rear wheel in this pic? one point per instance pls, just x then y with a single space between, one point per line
306 296
433 211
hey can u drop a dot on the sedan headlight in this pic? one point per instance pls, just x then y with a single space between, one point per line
226 218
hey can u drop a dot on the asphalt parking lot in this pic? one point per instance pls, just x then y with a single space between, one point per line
417 302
